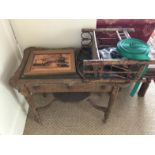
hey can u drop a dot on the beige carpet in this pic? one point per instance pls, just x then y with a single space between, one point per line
129 115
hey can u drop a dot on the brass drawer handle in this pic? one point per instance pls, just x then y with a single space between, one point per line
68 86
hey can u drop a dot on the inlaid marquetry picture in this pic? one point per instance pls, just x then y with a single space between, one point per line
50 62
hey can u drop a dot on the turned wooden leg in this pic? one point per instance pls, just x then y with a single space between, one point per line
112 99
144 87
36 115
29 98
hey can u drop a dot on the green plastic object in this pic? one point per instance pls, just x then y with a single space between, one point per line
136 49
136 86
132 48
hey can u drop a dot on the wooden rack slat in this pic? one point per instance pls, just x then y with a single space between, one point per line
107 29
108 72
116 62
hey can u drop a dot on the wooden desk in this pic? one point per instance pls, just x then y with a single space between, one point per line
64 83
52 84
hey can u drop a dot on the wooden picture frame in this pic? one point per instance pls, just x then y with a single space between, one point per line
45 62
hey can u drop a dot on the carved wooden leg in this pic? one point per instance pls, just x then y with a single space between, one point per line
144 87
112 99
29 98
34 110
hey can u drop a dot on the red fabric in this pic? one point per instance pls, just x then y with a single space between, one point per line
143 27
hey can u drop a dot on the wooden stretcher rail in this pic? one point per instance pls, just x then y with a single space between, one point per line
108 29
116 62
108 72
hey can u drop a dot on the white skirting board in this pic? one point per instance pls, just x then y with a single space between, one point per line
20 120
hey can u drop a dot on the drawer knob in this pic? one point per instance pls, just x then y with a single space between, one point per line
69 86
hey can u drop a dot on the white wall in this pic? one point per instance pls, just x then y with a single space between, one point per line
13 108
51 33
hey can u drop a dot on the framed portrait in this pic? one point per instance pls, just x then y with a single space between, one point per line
45 62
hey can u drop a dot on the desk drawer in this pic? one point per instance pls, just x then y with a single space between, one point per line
76 87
